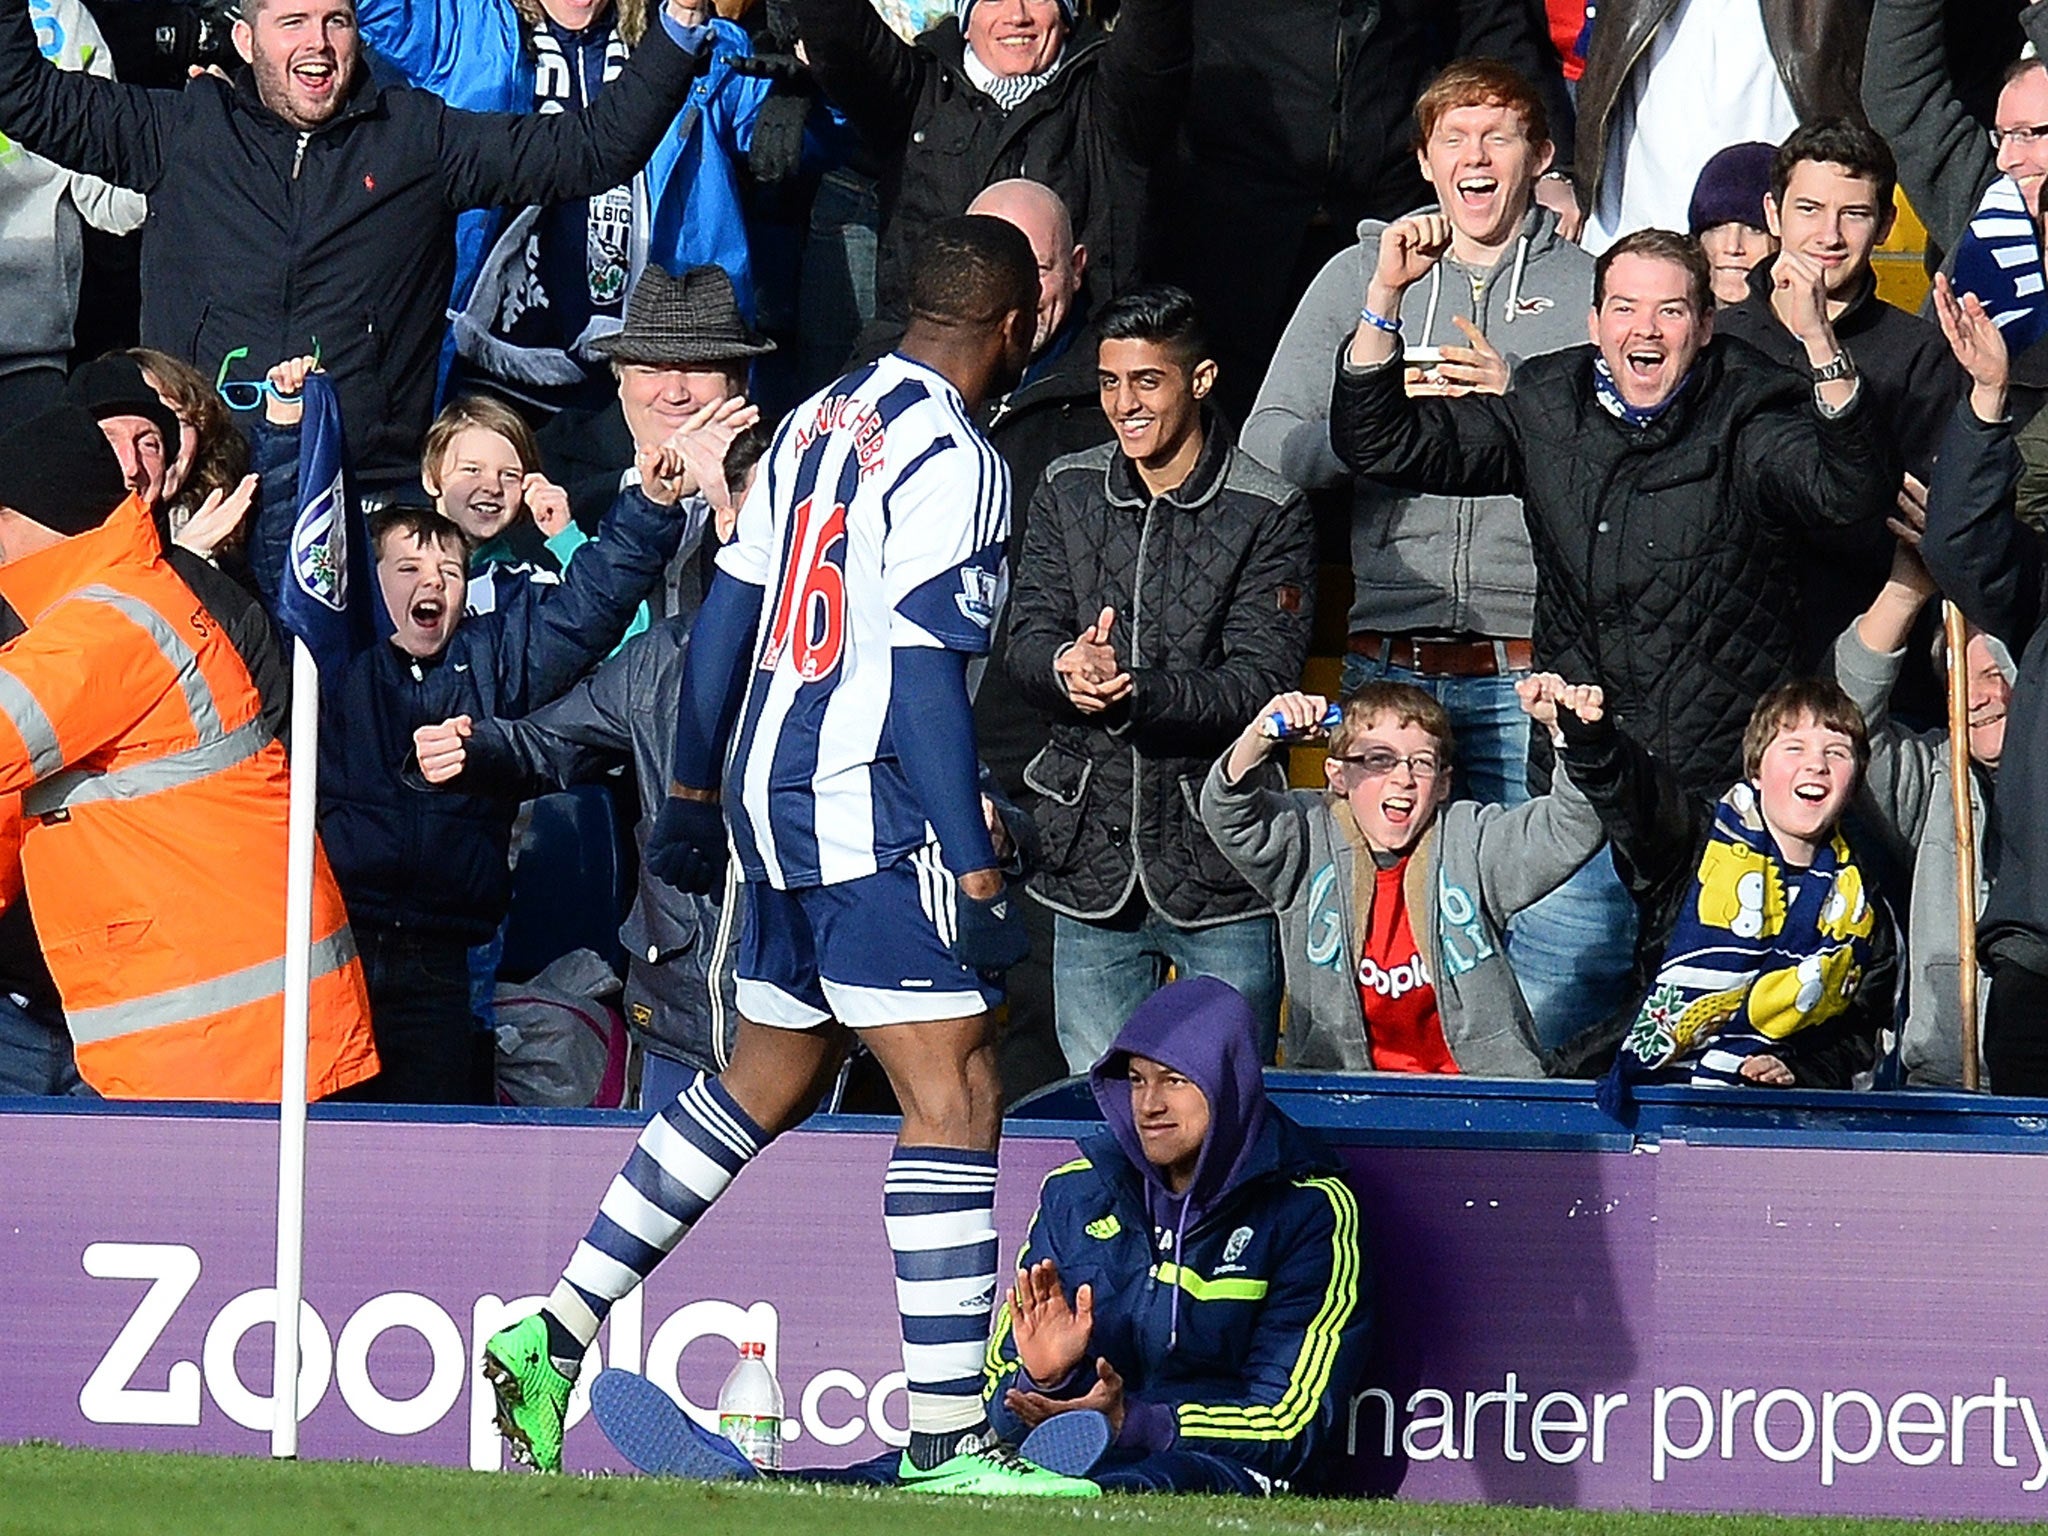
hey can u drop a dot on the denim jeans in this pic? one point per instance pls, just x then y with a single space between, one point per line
836 284
1101 971
1491 764
35 1055
1573 952
428 1041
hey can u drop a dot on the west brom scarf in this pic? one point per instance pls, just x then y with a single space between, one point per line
1762 951
1999 260
1009 91
1608 393
609 224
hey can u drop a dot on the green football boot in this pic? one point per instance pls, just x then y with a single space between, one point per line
994 1473
533 1396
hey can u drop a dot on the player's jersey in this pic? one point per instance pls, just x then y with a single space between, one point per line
877 521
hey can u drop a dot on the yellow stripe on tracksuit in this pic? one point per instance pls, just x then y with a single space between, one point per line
1209 1290
993 1365
1310 1377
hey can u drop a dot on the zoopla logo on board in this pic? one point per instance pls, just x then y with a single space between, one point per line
835 1407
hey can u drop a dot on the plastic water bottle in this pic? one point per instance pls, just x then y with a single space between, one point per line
750 1408
1275 727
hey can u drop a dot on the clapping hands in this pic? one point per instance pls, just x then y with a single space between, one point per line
1979 346
1088 668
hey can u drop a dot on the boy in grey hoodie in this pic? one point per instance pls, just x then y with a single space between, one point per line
1393 899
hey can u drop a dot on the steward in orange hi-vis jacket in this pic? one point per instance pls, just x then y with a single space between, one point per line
153 803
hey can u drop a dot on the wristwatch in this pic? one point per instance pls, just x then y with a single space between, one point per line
1840 366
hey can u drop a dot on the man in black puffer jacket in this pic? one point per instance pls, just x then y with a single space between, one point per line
304 209
1008 88
1163 596
1662 477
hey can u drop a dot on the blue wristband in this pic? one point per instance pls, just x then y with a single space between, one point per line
1380 322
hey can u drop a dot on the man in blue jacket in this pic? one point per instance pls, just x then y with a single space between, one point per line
1196 1276
536 286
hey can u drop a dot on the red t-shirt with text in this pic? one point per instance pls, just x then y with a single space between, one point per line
1401 1019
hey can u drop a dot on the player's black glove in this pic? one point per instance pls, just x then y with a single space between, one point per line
991 935
686 845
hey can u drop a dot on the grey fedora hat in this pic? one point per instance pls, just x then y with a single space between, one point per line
690 319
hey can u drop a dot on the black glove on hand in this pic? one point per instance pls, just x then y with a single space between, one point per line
991 935
686 845
778 147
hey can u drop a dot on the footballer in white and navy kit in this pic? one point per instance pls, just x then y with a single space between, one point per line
877 524
825 695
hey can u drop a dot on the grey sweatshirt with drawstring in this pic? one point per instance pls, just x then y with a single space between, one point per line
1443 565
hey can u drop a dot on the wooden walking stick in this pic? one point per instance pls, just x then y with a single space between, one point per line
1966 831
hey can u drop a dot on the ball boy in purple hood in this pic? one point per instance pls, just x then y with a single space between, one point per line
1197 1275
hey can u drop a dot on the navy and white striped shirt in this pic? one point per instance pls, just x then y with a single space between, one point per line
878 521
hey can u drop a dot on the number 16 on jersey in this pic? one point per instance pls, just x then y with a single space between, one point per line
810 603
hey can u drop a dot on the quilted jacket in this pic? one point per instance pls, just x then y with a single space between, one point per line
1212 584
1666 556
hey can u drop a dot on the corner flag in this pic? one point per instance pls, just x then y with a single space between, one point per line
323 596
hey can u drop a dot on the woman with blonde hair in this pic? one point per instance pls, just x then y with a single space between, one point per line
212 453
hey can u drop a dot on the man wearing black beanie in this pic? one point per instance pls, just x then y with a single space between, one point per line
148 799
144 432
146 437
58 478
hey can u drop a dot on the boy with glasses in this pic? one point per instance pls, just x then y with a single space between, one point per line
1393 899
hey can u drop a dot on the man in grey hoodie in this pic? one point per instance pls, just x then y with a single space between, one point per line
43 209
1444 587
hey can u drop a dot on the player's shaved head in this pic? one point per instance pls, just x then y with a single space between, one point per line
971 271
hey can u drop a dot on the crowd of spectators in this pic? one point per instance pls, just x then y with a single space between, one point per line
1627 679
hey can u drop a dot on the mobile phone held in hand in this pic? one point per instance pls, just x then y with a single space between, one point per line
1275 727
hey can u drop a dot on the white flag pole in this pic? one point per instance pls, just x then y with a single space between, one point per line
291 1112
1965 812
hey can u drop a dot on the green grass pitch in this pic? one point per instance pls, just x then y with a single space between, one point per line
51 1491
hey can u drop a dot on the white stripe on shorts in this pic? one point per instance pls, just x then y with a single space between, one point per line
935 892
761 1002
867 1007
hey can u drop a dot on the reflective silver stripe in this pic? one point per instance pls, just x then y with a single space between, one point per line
204 999
82 786
26 714
192 682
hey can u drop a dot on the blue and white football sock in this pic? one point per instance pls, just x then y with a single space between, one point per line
939 1205
687 1156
